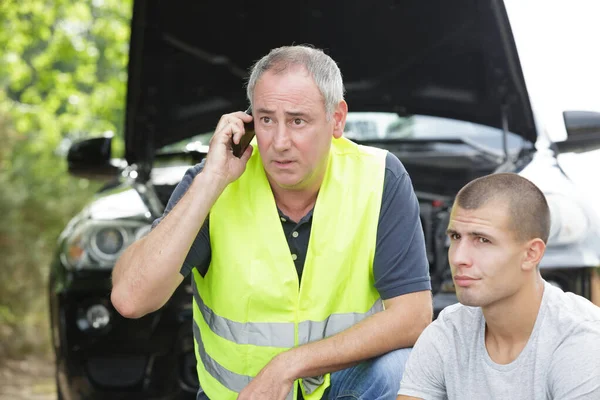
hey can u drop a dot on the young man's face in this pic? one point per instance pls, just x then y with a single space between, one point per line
292 129
485 256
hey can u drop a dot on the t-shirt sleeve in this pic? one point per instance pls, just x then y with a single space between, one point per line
424 372
199 253
575 370
400 264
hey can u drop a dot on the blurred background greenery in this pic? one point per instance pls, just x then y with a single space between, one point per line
63 75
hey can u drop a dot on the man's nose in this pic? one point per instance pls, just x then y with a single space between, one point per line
281 139
459 254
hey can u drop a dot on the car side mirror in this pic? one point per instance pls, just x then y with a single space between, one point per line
91 159
583 132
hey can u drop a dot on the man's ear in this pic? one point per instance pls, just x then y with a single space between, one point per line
534 251
339 119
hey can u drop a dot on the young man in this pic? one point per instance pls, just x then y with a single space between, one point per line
276 315
514 336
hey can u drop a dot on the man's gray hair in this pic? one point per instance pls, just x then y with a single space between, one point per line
319 65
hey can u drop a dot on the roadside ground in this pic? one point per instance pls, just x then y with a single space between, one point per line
31 378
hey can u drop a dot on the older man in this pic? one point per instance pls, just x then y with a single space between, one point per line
307 256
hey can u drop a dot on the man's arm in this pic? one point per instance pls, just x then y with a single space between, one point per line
147 273
200 254
575 370
398 326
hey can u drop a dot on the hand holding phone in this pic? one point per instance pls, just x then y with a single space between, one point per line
240 148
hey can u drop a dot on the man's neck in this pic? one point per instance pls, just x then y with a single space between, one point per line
295 203
509 323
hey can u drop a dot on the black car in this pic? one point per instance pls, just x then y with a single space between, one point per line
438 83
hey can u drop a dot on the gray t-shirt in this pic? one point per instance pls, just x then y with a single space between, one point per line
560 361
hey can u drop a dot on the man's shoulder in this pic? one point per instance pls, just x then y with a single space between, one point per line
457 322
571 320
454 331
396 179
460 314
565 308
571 336
393 166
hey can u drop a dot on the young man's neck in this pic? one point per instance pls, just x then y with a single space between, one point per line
509 323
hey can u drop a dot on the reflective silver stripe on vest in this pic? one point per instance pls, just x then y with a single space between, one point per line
312 383
279 334
231 380
309 331
276 334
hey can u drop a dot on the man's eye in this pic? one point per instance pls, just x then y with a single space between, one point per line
482 240
266 120
298 121
455 236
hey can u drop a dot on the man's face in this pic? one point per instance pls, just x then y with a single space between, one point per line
485 256
292 129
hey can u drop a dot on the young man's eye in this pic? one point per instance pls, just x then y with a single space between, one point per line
482 240
454 236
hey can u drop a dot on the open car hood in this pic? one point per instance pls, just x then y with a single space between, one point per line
189 61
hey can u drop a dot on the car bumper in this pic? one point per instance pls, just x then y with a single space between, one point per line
147 358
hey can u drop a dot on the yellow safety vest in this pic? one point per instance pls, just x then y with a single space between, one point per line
249 307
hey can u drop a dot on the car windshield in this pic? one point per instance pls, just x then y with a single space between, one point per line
385 127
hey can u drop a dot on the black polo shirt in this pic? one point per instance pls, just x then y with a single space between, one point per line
400 264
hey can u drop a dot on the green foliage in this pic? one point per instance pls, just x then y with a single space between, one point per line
63 72
64 66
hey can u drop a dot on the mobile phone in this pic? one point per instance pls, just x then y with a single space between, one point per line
240 148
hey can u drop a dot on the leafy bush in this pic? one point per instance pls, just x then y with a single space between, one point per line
63 72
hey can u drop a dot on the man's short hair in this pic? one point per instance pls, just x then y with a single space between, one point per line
319 65
529 214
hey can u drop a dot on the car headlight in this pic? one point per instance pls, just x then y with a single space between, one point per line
98 244
569 221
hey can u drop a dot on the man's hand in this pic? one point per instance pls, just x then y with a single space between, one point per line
273 382
220 161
